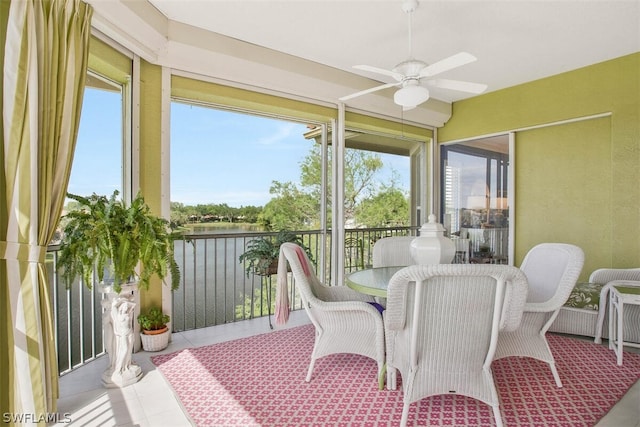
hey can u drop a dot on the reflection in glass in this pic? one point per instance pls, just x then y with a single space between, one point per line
474 196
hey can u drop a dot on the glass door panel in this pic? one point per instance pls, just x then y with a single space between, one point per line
474 197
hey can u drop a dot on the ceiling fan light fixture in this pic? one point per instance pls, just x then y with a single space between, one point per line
409 74
411 96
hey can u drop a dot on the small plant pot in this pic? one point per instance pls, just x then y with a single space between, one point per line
155 340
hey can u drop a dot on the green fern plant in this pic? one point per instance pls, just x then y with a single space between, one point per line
106 235
260 253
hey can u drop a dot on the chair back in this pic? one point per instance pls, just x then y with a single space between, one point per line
606 275
552 270
442 323
353 253
313 293
303 271
393 251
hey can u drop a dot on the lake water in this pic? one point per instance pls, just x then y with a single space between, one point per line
223 228
214 282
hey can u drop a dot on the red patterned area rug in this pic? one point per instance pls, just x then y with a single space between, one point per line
259 381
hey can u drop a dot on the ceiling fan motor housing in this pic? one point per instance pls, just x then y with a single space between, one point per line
410 68
409 6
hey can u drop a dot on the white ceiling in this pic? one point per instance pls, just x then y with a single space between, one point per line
515 41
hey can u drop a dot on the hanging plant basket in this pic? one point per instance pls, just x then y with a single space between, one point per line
261 254
268 268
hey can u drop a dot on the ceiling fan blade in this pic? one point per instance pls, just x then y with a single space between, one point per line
382 71
458 85
447 64
364 92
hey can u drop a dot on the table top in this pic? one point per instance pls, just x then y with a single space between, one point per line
372 281
627 294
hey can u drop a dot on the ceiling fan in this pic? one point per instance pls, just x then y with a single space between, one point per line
410 75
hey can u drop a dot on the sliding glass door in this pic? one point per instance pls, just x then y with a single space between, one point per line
475 182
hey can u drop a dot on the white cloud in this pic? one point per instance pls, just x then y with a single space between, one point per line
282 132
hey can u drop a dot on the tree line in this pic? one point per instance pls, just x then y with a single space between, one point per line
369 202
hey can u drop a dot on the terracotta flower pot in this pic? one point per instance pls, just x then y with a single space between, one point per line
155 331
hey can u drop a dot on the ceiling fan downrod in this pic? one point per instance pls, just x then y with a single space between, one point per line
409 6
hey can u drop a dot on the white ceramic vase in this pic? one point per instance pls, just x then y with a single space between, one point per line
431 246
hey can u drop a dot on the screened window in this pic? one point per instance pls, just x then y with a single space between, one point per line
227 166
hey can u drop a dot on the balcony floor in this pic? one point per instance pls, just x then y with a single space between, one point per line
151 402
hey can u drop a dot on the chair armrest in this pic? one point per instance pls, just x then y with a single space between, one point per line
634 283
346 306
343 293
537 307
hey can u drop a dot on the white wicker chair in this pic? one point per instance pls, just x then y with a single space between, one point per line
441 328
344 320
552 270
393 251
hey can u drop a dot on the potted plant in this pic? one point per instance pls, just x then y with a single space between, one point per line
261 254
126 246
106 235
155 333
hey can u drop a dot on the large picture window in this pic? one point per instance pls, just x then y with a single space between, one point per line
98 158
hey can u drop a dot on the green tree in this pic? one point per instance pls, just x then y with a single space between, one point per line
360 168
390 207
250 213
289 209
179 214
294 207
225 211
256 305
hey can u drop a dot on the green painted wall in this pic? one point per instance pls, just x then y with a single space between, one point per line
575 182
150 154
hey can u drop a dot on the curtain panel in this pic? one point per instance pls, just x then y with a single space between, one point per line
45 57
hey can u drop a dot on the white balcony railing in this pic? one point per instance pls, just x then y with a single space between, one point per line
214 289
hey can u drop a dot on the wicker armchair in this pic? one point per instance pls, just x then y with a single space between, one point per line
344 320
552 270
441 328
392 251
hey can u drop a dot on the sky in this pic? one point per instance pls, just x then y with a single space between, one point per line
217 156
98 147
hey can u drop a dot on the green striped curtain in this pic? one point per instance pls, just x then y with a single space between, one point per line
45 53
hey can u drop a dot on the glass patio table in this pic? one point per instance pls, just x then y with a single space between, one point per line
372 281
